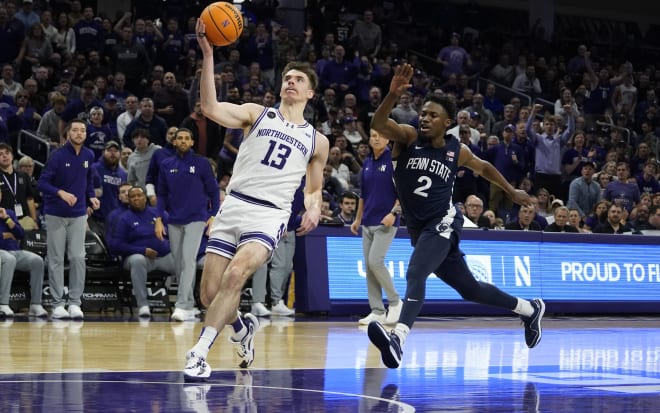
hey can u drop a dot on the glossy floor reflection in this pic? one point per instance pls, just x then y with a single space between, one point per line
449 365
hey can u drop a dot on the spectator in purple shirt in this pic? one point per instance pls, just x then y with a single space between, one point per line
88 32
507 158
621 192
454 58
339 74
646 180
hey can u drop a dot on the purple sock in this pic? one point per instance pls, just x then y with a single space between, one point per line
237 325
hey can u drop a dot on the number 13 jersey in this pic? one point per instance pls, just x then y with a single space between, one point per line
272 159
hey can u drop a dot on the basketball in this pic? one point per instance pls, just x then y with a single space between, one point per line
224 23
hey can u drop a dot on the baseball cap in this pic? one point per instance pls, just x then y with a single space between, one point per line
510 126
112 144
475 114
592 163
110 97
67 72
557 202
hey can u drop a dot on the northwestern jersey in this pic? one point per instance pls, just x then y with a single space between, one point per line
424 178
273 159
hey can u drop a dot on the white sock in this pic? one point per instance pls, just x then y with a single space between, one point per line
524 308
206 339
402 331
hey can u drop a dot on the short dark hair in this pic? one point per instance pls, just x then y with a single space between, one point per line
443 100
4 145
140 187
306 69
349 194
141 132
192 135
71 122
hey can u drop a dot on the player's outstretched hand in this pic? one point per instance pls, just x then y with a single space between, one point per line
401 79
203 42
521 197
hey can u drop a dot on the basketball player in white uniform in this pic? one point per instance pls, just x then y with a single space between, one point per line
279 148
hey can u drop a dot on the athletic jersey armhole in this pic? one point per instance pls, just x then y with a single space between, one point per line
313 149
256 122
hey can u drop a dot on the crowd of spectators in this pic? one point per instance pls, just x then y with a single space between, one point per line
574 124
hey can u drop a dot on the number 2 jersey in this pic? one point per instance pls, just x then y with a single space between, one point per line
424 178
273 159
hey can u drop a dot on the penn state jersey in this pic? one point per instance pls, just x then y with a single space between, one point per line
272 159
424 178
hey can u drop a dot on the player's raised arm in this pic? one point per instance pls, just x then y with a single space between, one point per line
226 114
381 121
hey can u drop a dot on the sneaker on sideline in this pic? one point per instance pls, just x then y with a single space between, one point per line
260 310
144 311
37 310
532 323
282 309
196 369
180 314
393 313
388 344
372 317
5 311
59 313
245 345
75 313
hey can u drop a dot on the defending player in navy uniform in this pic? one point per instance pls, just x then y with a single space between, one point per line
279 148
427 161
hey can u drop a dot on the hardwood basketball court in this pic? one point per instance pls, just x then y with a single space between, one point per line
115 364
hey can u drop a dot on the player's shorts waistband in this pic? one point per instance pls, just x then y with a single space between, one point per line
252 200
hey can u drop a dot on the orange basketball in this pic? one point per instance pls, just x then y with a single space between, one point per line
224 23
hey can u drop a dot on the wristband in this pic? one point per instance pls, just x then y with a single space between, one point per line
8 220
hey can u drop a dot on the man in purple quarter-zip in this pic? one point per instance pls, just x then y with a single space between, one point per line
135 240
67 184
186 186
